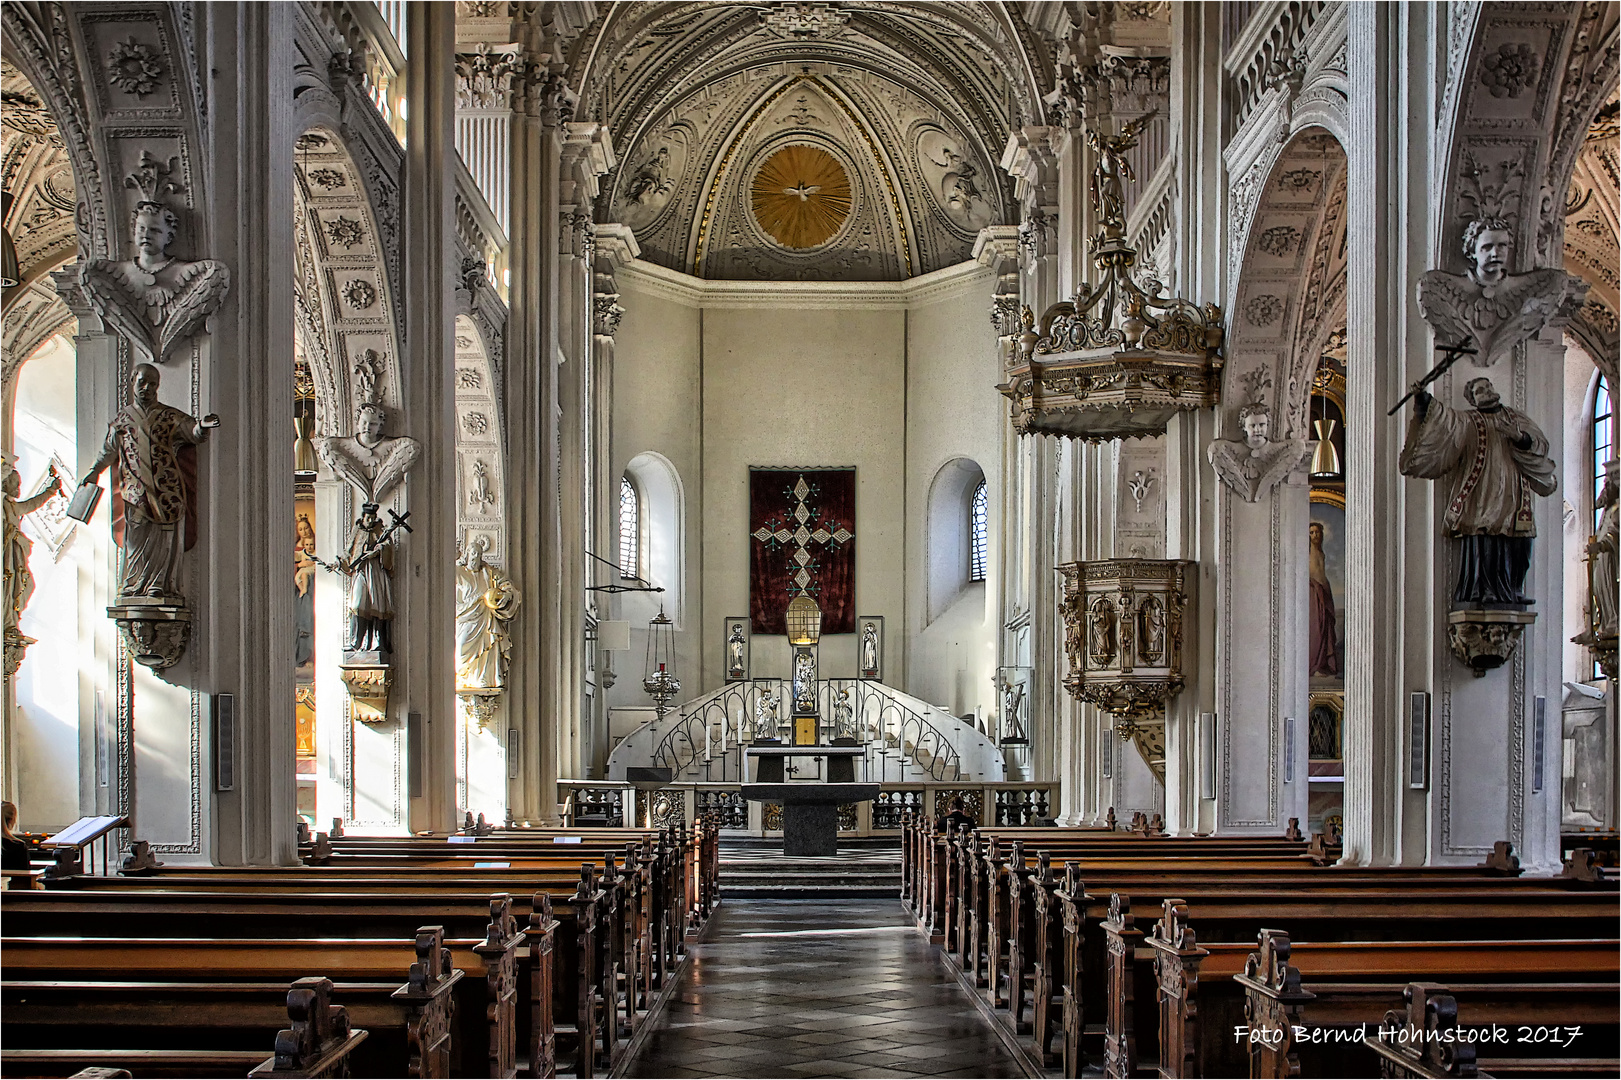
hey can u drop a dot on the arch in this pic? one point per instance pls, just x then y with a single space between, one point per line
948 534
664 538
1289 296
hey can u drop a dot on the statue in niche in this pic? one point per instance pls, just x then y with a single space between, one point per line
1493 459
1012 709
304 564
765 715
155 301
19 578
1603 620
1101 638
1258 464
869 650
1151 642
804 683
1487 303
371 463
734 652
150 448
1325 631
369 566
486 601
844 718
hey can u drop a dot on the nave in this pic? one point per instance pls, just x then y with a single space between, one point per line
818 988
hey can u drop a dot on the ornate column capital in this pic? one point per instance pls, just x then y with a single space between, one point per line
488 77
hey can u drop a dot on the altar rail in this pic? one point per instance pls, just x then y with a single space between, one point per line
601 802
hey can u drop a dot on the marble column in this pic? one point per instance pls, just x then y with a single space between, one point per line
425 586
244 640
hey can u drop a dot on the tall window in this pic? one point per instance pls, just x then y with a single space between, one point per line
978 510
1603 441
630 529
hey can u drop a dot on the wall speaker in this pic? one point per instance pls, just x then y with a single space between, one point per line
415 739
224 742
1418 740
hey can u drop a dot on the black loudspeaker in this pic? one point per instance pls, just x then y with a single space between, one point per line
414 749
224 742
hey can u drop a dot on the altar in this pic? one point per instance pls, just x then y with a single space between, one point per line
810 808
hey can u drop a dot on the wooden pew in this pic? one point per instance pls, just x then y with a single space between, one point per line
320 1041
141 988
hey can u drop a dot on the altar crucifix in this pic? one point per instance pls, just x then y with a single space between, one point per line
802 532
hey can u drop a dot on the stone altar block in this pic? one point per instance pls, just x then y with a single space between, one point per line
810 812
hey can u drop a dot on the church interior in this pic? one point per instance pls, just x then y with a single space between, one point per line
828 538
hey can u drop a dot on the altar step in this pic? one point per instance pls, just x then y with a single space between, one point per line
758 870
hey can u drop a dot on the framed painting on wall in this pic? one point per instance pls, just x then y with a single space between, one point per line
1326 562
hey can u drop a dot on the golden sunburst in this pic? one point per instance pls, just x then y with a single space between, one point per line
801 196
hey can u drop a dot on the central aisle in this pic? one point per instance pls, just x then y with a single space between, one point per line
819 988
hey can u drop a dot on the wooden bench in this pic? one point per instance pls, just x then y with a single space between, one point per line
320 1040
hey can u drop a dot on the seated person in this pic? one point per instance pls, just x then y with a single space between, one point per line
15 848
955 816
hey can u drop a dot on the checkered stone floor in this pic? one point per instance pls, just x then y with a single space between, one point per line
832 988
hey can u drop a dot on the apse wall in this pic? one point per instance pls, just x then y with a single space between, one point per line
891 378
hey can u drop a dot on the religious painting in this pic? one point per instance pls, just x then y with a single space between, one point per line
954 180
870 648
1326 568
802 542
737 648
304 567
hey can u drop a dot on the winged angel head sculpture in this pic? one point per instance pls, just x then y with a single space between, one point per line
371 463
154 300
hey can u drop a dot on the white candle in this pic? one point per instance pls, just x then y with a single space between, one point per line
707 755
723 735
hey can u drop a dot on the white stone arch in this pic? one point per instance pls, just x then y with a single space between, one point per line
664 539
480 457
948 534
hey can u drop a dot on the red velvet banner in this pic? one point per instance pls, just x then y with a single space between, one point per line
802 526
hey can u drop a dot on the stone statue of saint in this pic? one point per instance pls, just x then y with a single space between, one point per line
1487 303
1603 619
734 652
765 715
1258 464
486 601
844 722
1012 709
154 300
369 566
869 649
19 578
150 449
1493 460
372 463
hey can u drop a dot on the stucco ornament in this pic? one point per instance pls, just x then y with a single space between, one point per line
1257 464
372 463
1496 308
154 301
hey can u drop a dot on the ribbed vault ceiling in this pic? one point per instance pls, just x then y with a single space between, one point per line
907 106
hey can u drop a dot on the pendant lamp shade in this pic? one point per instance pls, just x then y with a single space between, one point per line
1325 460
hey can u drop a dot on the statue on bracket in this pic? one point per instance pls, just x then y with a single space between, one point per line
19 579
155 301
1258 464
486 601
150 448
1498 309
1493 460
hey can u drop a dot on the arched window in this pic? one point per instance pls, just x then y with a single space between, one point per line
1603 441
979 507
630 529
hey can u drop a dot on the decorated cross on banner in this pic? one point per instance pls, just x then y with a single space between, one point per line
804 533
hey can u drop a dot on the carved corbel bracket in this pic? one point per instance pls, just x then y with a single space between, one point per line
368 690
155 631
480 706
1483 640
